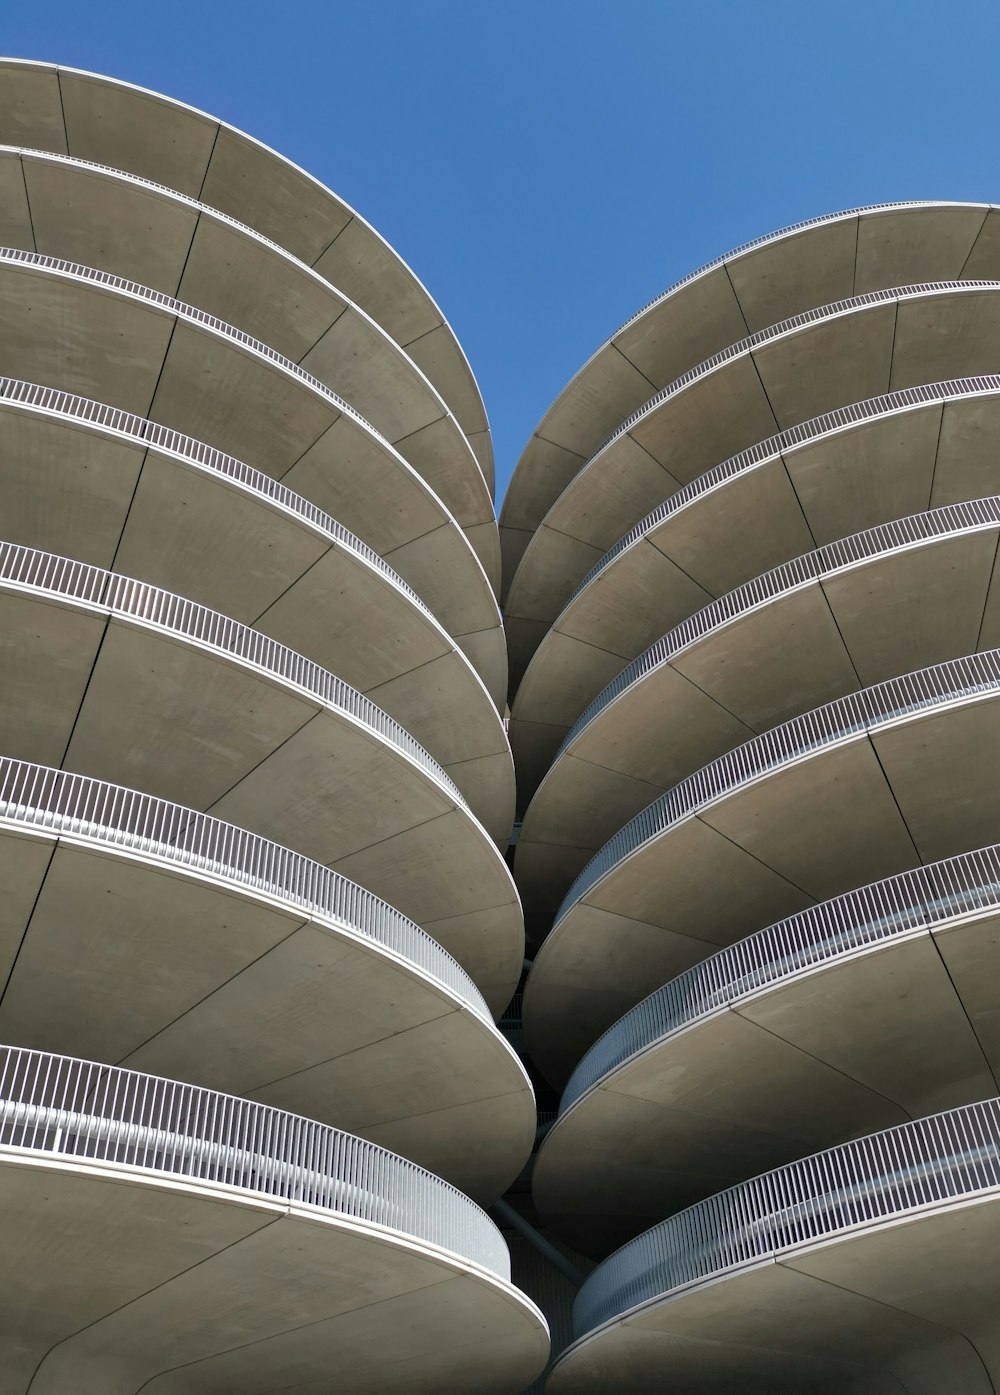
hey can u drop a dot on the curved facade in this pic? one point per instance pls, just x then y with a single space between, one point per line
255 783
750 587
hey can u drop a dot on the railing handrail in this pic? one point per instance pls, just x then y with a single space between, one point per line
37 396
81 807
77 1110
765 238
858 712
893 294
47 573
921 899
872 544
792 438
945 1158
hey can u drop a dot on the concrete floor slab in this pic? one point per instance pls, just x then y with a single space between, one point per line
115 124
303 1286
140 689
804 813
876 1008
768 280
226 981
790 1272
796 370
916 592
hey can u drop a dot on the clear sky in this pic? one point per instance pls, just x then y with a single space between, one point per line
547 166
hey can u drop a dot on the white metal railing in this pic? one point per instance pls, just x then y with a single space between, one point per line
917 900
26 567
930 1162
67 1108
196 316
35 396
105 815
828 423
776 237
866 710
950 520
772 332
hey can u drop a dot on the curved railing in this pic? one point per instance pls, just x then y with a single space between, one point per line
47 573
335 199
828 423
124 177
949 521
917 900
190 312
56 802
66 1108
884 1177
765 238
54 401
866 710
794 322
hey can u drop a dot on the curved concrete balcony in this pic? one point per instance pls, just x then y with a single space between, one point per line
171 1238
837 474
854 1015
109 488
117 679
858 611
767 280
168 940
144 233
115 124
877 782
89 332
870 1269
770 381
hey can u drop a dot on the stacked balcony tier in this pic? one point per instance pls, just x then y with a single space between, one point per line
255 782
173 1239
866 1270
751 588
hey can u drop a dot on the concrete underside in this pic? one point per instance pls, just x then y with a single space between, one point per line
859 1044
94 118
73 333
921 337
103 693
101 219
832 260
904 1308
876 803
117 1281
911 602
836 483
115 957
108 499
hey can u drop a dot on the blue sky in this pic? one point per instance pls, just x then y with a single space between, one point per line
548 167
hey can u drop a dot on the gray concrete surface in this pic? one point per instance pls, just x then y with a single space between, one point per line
114 680
898 1307
141 958
119 1280
757 285
862 1041
172 513
792 372
899 597
894 456
790 820
147 234
76 328
89 117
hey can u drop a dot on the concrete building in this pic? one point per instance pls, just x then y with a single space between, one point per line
255 784
750 593
259 915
